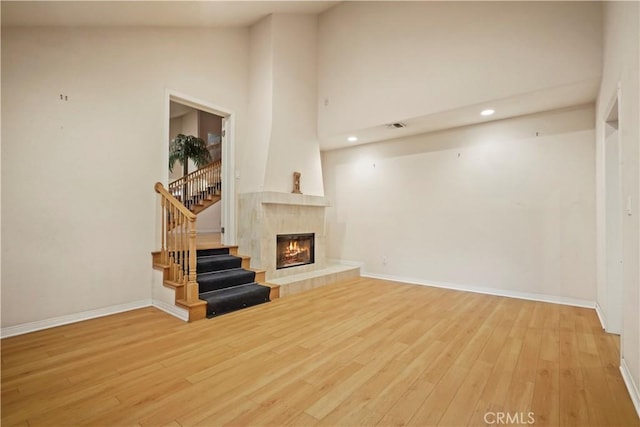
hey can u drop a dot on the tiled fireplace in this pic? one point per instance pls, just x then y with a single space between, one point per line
263 217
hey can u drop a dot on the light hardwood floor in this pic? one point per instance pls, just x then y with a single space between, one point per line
368 352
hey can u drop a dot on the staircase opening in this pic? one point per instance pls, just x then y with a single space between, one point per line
226 224
188 120
294 250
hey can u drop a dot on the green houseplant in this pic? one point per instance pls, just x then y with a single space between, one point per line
185 147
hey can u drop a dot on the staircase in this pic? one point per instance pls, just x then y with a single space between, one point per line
199 189
225 285
208 281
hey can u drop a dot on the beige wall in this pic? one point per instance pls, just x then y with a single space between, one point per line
621 45
282 107
77 176
210 124
210 220
186 124
487 206
294 141
382 62
254 153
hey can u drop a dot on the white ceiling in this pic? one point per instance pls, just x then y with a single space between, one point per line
518 105
151 13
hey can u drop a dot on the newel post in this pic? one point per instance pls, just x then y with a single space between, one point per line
192 285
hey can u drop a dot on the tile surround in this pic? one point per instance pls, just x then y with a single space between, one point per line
262 216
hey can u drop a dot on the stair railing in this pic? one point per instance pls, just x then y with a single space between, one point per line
193 188
178 250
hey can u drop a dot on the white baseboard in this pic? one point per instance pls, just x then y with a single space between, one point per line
601 316
486 290
632 387
173 310
25 328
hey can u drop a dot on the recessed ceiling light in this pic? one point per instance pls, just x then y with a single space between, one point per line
352 139
487 112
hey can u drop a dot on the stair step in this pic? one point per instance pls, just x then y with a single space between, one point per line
211 263
235 298
224 279
214 251
204 194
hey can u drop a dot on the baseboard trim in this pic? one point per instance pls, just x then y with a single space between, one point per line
486 290
39 325
173 310
600 314
632 387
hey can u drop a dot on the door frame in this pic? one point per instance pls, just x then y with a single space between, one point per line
228 201
613 244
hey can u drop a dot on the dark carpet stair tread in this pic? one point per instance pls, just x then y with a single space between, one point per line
235 298
217 263
224 279
225 285
209 252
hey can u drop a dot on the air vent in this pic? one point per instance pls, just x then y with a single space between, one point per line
397 125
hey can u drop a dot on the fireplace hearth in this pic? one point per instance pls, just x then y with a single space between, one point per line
294 250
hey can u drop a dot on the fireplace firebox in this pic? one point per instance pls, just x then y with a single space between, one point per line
294 250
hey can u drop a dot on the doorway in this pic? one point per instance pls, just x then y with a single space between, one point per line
215 125
613 222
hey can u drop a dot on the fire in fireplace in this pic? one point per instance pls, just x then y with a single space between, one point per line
294 250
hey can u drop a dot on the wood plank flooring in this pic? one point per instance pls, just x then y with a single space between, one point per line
367 352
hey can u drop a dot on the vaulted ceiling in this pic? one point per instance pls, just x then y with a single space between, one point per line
450 60
150 13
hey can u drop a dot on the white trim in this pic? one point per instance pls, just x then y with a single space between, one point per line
486 290
228 202
173 310
632 387
197 103
25 328
600 314
228 208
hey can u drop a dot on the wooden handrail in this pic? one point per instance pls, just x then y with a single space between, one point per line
195 173
178 251
198 185
175 202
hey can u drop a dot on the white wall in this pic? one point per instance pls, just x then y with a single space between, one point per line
190 127
78 203
381 62
621 44
294 139
254 152
186 124
175 128
282 107
210 219
491 205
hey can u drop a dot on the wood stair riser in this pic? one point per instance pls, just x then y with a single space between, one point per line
199 207
246 263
